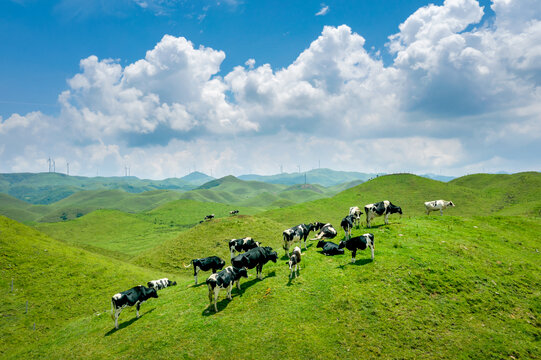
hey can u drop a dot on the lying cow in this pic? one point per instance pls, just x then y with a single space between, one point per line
347 225
381 208
437 205
329 248
358 242
356 213
161 283
294 261
134 296
297 233
225 279
209 217
245 244
206 264
326 232
256 257
233 212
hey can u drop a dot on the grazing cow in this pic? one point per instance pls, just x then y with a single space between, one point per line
326 232
256 257
347 225
437 205
356 212
294 260
161 283
233 212
224 280
134 296
238 245
209 217
206 264
381 208
298 233
329 248
358 242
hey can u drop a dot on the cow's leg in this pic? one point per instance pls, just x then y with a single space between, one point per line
441 212
117 314
238 284
353 253
137 307
296 270
305 236
371 248
210 294
216 293
229 289
195 272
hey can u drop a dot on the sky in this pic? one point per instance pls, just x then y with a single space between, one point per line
166 87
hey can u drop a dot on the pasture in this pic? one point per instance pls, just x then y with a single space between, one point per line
462 285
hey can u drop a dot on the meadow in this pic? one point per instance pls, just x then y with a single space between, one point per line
462 285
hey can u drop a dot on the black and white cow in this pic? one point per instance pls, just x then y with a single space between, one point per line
233 212
256 257
347 225
356 212
360 243
326 232
161 283
294 261
329 248
238 245
437 205
225 279
205 264
134 296
297 233
381 208
209 217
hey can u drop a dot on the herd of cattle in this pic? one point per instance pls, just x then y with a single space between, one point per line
246 253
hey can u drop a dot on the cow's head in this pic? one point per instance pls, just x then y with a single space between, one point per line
243 272
320 243
451 203
152 293
271 254
171 283
342 244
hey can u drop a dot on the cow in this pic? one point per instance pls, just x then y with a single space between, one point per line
326 232
256 257
134 296
437 205
209 217
347 225
356 212
161 283
329 248
294 261
297 233
381 208
358 242
224 280
206 264
233 212
238 245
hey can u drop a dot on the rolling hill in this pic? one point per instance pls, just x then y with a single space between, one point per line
324 177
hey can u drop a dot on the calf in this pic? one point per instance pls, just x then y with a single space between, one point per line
326 232
329 248
206 264
356 213
222 280
209 217
358 242
294 260
245 244
233 212
297 233
161 283
347 225
134 296
256 257
381 208
437 205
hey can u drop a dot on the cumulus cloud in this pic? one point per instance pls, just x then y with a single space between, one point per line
460 94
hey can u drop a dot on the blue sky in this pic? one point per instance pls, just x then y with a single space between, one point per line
165 86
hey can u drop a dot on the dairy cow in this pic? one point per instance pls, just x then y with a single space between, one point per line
437 205
356 213
134 296
381 208
347 225
161 283
238 245
329 248
256 257
297 233
225 279
358 243
326 232
213 263
294 262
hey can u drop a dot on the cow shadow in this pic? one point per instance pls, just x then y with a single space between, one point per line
222 304
360 262
128 323
199 284
247 284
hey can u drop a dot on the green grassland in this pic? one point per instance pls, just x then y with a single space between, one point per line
462 285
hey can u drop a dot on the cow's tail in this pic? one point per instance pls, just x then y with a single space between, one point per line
187 266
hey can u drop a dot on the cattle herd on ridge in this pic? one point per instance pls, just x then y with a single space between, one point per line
246 253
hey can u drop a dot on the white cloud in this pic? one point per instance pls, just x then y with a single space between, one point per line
459 94
323 11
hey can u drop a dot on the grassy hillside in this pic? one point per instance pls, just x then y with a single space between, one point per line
440 287
20 210
60 283
324 177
